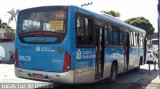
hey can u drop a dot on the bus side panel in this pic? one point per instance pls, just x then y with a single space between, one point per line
112 54
141 54
81 70
133 57
85 65
84 58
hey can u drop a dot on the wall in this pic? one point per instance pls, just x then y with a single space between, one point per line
8 46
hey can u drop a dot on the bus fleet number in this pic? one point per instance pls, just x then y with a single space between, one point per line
25 58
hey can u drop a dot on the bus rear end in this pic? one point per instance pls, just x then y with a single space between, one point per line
41 52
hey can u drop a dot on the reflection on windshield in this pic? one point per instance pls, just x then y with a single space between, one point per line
53 21
29 26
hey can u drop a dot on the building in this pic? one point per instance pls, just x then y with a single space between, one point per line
2 34
154 36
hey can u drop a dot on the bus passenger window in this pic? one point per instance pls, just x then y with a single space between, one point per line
138 39
80 26
114 33
134 37
110 35
106 40
121 38
84 31
131 38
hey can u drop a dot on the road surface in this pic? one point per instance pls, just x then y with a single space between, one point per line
129 80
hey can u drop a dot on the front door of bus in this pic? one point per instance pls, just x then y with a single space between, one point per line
99 66
126 50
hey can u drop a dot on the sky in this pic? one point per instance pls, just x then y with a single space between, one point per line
126 8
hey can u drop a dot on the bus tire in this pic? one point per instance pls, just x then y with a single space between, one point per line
113 73
141 61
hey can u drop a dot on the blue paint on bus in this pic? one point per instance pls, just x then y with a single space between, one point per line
49 41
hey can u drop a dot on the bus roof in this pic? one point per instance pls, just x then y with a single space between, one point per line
106 18
111 19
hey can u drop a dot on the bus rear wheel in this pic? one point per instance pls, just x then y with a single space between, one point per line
113 73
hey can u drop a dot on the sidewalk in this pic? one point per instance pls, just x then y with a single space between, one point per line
7 75
130 80
154 76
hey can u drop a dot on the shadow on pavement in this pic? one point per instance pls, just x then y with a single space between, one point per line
6 62
143 82
95 86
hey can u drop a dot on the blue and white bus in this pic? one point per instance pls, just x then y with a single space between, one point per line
68 44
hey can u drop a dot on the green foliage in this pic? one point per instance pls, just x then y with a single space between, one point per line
13 14
4 25
112 13
142 23
8 31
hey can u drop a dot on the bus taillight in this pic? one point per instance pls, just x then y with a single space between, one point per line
67 62
16 58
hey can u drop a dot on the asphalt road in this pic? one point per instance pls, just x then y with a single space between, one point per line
130 80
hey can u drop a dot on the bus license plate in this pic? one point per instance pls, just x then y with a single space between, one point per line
38 75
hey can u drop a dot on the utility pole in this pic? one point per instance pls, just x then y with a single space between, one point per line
0 22
158 34
86 4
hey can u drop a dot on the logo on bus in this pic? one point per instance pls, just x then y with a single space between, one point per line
38 39
38 48
78 54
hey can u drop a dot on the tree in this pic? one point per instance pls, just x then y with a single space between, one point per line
8 31
112 13
142 23
4 25
13 14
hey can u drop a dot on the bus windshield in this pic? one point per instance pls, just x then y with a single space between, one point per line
43 21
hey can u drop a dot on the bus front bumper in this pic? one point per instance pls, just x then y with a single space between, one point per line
66 77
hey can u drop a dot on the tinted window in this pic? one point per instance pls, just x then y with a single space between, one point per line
114 35
121 38
110 37
155 42
84 31
40 20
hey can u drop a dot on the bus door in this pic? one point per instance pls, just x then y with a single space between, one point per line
99 66
126 50
145 49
